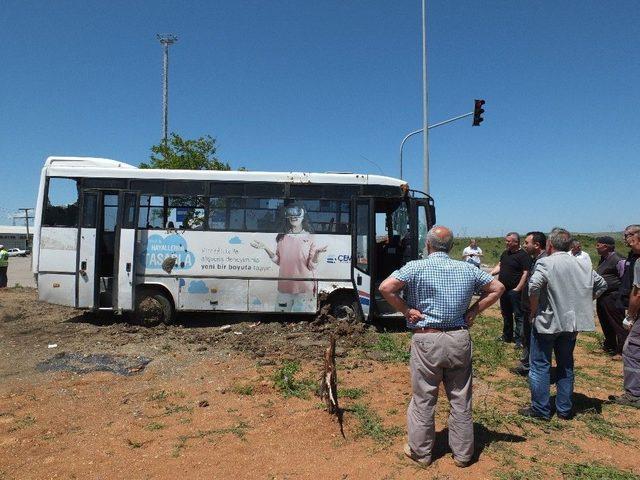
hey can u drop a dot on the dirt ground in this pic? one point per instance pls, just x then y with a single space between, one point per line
83 397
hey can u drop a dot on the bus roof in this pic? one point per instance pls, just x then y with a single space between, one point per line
105 168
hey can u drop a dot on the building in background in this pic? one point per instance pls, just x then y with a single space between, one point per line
15 237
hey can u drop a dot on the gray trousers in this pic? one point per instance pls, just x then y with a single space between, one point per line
441 357
631 361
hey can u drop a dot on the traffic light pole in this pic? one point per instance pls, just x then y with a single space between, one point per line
444 122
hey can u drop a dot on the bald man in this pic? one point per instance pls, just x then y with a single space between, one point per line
436 309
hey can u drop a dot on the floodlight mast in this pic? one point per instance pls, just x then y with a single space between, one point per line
166 40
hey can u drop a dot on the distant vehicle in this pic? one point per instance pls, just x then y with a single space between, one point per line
110 236
17 252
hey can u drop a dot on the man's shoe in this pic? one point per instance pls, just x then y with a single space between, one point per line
626 399
617 357
568 416
520 370
420 461
461 464
501 338
529 413
518 344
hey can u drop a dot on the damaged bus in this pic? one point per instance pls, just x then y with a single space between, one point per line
112 237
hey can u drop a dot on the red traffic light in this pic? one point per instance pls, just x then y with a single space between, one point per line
477 112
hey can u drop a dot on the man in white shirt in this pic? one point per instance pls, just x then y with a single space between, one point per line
576 251
473 253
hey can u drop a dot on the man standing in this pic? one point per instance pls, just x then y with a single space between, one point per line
512 271
473 253
630 233
578 254
610 314
4 265
535 244
561 292
436 307
631 350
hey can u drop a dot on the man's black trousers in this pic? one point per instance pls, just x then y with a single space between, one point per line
511 308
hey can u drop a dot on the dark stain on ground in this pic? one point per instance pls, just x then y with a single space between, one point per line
101 362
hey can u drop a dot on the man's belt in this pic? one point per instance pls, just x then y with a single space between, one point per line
438 330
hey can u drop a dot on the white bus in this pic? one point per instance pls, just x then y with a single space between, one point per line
109 236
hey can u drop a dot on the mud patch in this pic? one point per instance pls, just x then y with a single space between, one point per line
79 363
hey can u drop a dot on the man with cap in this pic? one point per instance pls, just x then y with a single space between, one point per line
4 265
611 268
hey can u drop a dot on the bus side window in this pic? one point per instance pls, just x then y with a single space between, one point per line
151 213
61 208
261 214
217 213
89 206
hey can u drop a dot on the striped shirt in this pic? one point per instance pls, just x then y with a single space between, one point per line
440 288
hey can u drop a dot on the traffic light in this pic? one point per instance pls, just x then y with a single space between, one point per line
477 113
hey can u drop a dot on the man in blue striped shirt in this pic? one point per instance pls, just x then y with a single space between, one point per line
437 309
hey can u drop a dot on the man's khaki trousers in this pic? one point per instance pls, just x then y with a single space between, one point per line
441 357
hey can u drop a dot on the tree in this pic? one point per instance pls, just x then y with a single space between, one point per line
182 154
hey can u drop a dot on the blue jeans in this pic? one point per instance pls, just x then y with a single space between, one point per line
562 344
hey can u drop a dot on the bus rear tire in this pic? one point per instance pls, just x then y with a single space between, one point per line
345 305
153 308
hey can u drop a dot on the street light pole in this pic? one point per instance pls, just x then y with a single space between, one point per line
165 40
425 100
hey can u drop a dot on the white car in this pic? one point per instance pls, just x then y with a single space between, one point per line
17 252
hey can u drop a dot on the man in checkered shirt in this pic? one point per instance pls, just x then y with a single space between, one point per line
437 309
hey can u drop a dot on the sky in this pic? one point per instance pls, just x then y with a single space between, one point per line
334 85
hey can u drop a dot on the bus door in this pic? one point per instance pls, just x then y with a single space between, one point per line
392 247
112 262
361 258
423 217
86 276
124 257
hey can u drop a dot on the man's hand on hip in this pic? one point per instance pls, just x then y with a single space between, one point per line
471 314
413 316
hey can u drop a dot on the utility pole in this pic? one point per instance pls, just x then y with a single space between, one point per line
166 40
26 222
425 100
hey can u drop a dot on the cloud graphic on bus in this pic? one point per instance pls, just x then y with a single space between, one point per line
198 286
256 301
160 248
235 240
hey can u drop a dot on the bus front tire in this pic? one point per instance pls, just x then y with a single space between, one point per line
153 308
345 305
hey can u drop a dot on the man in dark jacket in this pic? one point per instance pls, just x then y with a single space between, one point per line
611 268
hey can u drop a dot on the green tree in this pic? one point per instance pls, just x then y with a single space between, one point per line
183 154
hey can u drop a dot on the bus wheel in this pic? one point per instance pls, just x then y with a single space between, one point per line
152 308
344 305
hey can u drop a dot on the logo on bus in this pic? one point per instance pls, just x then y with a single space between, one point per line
162 251
339 259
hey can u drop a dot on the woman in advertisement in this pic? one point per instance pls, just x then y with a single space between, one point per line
297 255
